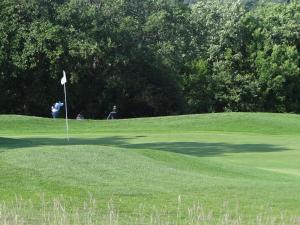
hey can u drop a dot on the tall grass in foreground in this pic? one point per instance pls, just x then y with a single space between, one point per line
55 212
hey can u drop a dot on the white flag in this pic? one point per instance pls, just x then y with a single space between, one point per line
64 78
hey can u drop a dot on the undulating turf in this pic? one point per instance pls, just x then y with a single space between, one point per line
249 161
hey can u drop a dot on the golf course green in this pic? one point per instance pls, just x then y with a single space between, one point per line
241 166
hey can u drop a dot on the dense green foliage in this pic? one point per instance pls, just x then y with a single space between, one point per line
244 165
149 57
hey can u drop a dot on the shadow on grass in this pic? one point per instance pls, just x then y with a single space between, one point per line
188 148
207 149
13 143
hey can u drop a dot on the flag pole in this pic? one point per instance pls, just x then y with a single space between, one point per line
66 109
63 82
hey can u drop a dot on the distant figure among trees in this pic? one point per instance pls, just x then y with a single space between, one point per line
113 114
55 108
79 116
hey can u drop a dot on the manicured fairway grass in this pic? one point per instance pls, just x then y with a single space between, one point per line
241 163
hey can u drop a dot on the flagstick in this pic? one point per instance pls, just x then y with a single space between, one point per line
67 126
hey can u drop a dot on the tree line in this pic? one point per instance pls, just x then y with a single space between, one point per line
149 57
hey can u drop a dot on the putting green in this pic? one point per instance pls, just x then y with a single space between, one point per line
245 160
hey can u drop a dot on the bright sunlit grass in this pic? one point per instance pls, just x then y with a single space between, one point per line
245 166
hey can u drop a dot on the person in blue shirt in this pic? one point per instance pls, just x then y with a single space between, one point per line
113 114
55 108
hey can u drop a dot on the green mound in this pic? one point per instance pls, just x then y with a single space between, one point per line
249 160
266 123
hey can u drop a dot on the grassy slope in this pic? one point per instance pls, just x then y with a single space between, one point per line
250 160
